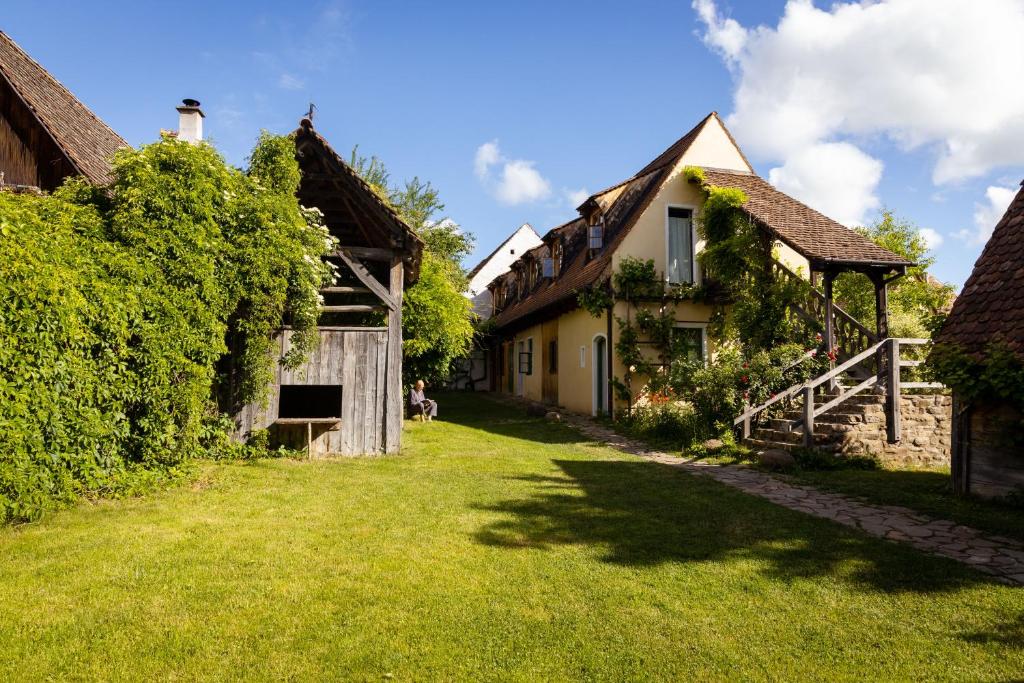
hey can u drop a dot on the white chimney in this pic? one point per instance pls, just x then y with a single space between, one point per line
190 121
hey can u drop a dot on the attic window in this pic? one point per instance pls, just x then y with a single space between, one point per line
548 267
595 236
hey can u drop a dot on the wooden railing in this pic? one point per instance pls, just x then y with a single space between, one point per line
889 378
851 336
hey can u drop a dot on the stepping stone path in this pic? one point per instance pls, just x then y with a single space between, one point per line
1002 558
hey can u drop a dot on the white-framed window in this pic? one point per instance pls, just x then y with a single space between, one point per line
690 342
680 240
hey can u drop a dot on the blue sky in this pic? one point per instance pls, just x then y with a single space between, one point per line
574 96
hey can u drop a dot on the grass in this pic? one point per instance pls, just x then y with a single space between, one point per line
495 547
927 490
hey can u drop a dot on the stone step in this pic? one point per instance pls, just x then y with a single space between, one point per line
821 437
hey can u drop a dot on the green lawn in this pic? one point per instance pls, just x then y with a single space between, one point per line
495 547
926 490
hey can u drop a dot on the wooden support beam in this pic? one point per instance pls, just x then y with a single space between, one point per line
371 253
809 417
893 428
353 308
830 332
345 290
394 400
368 279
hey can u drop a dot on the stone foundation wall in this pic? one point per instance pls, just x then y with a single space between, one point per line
926 434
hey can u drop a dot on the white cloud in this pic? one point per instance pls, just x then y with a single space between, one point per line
835 178
935 73
576 197
724 35
290 82
987 214
932 238
517 183
487 155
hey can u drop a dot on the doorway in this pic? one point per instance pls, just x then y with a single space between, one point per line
600 365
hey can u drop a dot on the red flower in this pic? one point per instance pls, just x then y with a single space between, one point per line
746 365
744 379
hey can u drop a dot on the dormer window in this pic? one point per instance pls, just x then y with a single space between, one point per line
595 236
548 267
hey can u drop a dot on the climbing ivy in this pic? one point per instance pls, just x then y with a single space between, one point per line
126 312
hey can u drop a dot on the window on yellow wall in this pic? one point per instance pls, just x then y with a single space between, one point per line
680 246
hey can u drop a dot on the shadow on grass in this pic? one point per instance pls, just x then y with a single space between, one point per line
646 514
1008 633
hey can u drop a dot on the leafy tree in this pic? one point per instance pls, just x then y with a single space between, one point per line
436 318
917 303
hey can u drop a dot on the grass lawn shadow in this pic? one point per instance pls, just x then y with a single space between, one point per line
643 514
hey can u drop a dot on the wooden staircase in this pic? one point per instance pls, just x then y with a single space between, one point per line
819 412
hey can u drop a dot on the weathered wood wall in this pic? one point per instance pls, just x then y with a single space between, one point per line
17 163
30 155
986 454
357 360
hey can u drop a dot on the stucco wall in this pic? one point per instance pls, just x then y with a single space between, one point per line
532 383
575 383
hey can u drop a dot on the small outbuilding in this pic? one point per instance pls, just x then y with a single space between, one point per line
347 399
987 318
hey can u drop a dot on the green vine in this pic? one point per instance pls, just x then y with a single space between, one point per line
996 375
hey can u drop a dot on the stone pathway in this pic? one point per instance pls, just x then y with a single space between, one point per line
1002 558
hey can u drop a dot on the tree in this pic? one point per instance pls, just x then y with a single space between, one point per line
917 302
437 323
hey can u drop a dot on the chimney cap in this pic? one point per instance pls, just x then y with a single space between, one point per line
188 104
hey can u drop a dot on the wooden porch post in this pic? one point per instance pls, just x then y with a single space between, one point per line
881 318
892 393
830 332
394 401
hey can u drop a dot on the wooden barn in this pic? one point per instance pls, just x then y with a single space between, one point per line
46 133
348 398
987 459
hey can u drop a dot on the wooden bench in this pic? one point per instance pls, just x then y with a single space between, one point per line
331 422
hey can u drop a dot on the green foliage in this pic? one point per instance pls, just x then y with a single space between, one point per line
995 375
694 174
672 423
818 460
595 300
916 303
437 325
118 309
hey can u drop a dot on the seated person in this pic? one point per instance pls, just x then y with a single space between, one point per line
421 403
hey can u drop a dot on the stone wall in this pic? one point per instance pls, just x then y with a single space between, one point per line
926 431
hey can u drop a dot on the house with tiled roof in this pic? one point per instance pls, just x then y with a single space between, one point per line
988 317
46 133
546 348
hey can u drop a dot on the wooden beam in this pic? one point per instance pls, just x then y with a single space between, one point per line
345 290
830 332
394 401
893 429
367 278
352 308
371 253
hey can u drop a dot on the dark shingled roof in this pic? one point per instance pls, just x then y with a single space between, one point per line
814 235
991 306
86 141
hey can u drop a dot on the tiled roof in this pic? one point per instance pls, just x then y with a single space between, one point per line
82 137
483 262
812 234
991 306
579 271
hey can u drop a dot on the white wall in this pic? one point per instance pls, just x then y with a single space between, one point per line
521 241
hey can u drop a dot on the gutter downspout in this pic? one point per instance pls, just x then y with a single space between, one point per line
608 381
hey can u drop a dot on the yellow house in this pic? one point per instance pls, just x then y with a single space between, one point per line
550 350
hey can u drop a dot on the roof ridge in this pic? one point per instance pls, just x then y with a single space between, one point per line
479 266
672 153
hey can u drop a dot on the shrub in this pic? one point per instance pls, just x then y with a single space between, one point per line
117 307
667 422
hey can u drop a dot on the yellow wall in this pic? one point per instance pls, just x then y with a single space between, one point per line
575 383
533 383
714 149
